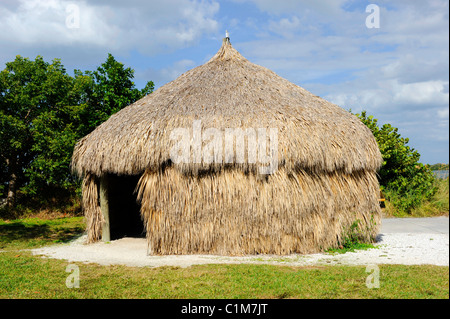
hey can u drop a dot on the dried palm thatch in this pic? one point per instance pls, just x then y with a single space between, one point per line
327 161
91 207
233 213
229 92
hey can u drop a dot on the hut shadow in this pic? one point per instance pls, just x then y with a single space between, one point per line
379 238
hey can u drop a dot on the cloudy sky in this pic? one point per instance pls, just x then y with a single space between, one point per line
387 57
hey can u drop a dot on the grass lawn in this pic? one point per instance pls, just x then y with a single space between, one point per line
23 275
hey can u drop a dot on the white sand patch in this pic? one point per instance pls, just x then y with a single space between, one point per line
391 248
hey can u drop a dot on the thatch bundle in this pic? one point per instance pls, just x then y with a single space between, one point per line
323 181
91 207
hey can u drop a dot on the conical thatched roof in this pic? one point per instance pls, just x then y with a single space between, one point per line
229 92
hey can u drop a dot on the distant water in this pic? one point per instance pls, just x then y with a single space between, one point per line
441 173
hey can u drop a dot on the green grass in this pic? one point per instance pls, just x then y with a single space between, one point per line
35 232
25 276
350 248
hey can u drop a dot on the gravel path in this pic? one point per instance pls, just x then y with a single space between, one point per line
415 247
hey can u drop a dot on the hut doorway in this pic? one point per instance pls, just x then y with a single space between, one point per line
123 208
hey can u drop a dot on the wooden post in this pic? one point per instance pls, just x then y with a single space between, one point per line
104 205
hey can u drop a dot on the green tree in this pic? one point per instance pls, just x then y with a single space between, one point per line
28 89
44 111
439 166
111 89
405 181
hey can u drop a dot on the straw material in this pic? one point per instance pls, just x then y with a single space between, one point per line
229 92
325 179
91 208
233 213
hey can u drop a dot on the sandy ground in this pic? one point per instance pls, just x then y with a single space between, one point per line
419 244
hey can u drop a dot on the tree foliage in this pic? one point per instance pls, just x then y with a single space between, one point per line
439 166
110 90
405 181
30 90
44 111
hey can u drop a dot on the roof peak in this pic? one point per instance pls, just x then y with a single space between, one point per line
227 52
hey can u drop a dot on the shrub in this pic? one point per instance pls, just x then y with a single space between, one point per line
405 182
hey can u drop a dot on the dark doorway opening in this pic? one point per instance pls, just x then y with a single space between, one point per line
124 209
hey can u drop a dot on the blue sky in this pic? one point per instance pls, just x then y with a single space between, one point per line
398 72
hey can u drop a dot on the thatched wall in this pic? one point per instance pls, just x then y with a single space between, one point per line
233 213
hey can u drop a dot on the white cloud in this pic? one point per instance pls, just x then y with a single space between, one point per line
413 68
420 93
390 96
296 6
285 27
443 113
148 26
44 23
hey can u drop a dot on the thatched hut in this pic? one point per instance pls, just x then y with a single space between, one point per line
230 159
